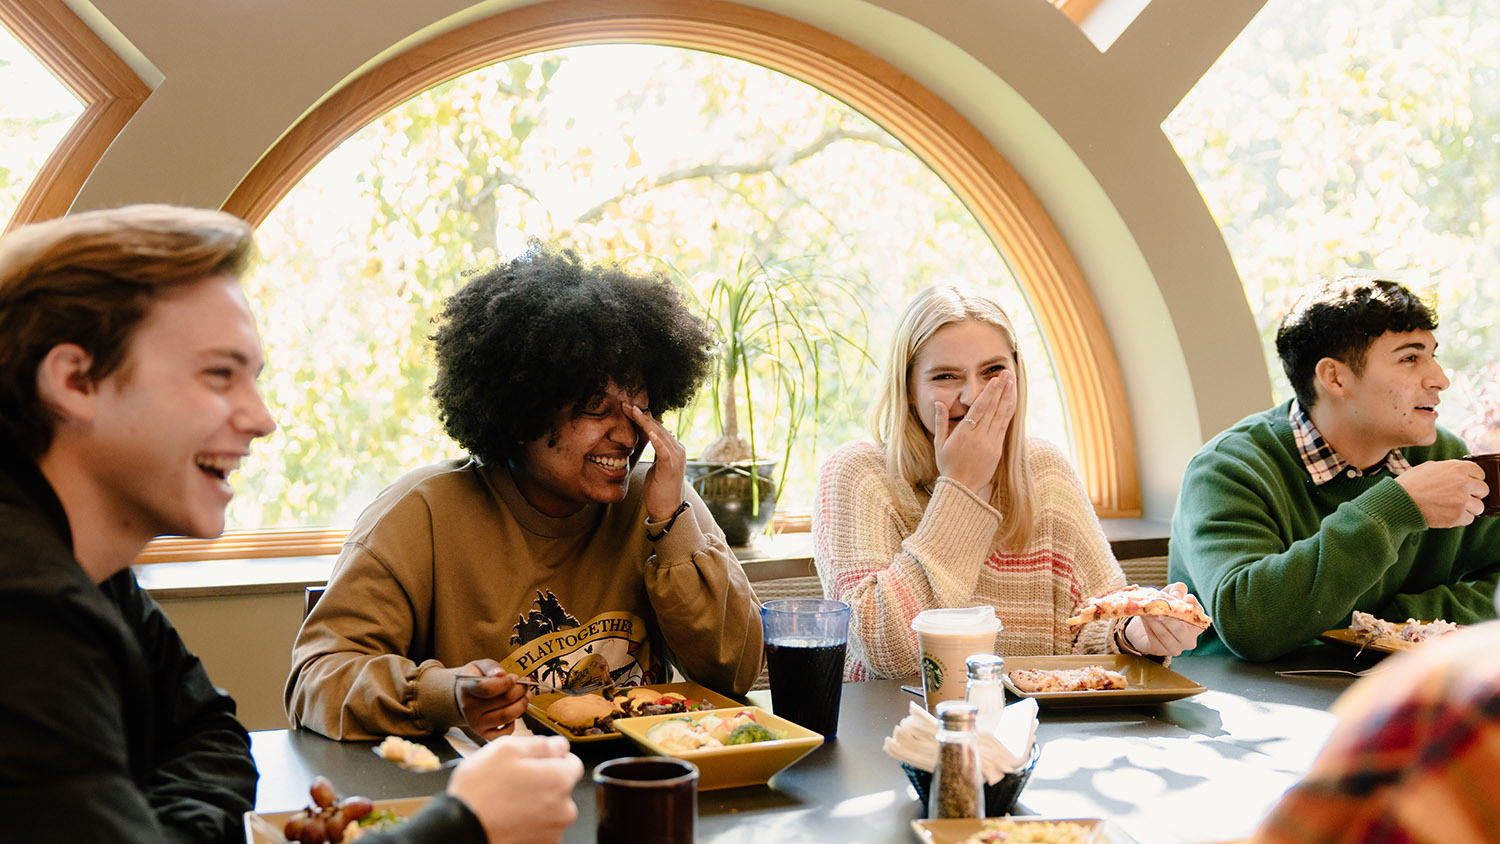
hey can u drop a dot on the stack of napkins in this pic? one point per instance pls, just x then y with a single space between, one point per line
1005 751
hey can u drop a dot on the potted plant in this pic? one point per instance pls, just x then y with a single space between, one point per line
781 330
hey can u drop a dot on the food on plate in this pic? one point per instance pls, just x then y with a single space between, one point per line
1140 600
408 754
1031 832
593 715
678 735
1368 628
1087 679
643 700
584 715
332 818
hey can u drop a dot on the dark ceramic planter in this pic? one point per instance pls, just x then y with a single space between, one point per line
731 491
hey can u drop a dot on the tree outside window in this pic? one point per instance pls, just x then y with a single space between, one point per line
1363 134
635 153
38 111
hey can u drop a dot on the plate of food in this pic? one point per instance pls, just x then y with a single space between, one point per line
591 717
1095 680
356 816
1019 830
732 747
1365 630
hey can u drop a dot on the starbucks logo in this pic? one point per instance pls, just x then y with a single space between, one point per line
932 671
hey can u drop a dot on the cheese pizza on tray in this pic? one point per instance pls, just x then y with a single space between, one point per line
1140 600
1086 679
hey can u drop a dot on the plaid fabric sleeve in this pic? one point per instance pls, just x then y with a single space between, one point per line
1414 758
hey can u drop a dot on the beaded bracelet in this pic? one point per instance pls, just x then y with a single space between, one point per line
668 526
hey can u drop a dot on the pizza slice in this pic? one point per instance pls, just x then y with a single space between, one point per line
1087 679
1369 629
1140 600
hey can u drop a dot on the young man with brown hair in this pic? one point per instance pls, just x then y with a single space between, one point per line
128 365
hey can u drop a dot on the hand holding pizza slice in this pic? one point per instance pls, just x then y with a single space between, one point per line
1132 600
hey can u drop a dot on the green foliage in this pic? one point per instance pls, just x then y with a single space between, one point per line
785 337
635 154
1362 134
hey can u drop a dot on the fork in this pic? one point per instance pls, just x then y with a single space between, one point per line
1365 673
545 688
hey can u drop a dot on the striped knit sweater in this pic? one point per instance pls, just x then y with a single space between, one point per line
890 552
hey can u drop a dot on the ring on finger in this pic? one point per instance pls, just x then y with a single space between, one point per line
970 420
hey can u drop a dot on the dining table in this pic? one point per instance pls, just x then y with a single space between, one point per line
1197 769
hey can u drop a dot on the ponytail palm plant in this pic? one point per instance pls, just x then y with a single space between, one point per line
786 334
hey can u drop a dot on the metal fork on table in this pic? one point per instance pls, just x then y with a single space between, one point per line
1295 671
547 688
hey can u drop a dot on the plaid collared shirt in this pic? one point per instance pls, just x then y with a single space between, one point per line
1325 464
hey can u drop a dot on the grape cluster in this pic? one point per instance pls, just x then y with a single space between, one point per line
325 819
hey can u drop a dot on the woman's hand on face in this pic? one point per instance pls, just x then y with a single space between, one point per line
969 450
664 479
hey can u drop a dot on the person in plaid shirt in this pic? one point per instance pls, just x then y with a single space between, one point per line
1414 756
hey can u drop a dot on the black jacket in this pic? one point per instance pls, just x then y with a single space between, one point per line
110 730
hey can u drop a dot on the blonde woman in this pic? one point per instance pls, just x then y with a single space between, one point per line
952 505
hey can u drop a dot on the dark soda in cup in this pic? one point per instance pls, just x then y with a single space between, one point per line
806 639
807 681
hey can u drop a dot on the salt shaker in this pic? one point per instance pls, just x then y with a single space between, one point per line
985 690
958 781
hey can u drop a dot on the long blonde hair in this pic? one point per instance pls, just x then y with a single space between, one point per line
898 428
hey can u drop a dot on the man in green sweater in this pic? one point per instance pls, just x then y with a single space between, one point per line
1349 497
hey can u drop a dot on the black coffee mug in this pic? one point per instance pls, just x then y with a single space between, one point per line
1490 463
646 800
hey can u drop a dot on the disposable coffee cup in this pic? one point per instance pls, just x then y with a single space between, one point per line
646 800
1490 463
946 639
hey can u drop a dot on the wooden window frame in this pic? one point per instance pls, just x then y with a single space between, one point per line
110 92
1088 373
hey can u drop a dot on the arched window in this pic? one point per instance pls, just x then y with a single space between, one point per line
1363 134
68 121
332 142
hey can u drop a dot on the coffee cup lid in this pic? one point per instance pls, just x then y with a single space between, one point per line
957 620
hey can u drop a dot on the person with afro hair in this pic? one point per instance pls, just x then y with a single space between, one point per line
552 548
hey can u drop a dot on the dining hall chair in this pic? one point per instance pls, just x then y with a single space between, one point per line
808 586
1145 571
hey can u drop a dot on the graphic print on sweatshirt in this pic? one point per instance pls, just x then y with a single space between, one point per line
551 642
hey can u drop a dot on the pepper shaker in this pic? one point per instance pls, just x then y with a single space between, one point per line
958 781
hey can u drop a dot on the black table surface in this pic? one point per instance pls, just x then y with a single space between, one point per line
1200 769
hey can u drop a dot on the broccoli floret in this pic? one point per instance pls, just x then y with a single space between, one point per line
748 733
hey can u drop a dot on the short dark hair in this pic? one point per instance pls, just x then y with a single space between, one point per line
89 279
1341 319
546 332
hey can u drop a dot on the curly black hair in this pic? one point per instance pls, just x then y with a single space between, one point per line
1341 319
546 332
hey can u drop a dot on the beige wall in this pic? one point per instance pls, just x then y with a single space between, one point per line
1081 126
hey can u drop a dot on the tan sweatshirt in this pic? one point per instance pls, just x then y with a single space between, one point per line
451 564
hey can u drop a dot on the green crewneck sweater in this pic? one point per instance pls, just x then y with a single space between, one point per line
1276 560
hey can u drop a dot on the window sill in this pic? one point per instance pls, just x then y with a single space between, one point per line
771 558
